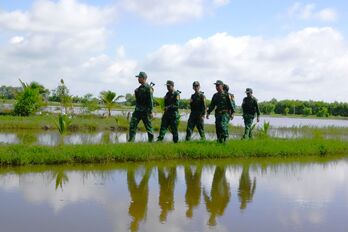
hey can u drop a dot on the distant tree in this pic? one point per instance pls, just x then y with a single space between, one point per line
65 99
9 92
267 107
307 111
323 112
28 101
109 98
286 111
130 99
89 103
184 104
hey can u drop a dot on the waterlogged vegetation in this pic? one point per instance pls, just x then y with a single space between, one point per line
101 153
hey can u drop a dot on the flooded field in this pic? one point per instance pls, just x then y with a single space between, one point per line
258 195
53 138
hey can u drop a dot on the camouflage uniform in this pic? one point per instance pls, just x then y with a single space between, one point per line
170 116
250 108
226 89
143 111
196 118
224 108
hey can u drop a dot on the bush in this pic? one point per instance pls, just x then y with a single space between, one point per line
28 102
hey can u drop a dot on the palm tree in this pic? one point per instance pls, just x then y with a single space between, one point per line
109 98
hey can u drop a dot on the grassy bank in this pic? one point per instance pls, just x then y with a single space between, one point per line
27 155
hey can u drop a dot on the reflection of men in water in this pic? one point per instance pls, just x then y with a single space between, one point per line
246 188
219 195
193 189
139 196
166 196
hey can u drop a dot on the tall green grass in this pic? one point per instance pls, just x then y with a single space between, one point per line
27 155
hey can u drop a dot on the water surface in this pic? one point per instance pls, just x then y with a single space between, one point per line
258 195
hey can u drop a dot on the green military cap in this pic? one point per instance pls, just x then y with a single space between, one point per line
248 90
218 82
196 83
142 74
170 83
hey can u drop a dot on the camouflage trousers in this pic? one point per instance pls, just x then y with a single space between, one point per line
195 120
221 126
171 121
133 125
248 121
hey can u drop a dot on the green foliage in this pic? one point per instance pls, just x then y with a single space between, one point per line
305 108
130 99
184 104
323 112
109 98
62 94
286 111
9 92
264 130
28 101
267 107
63 123
89 104
307 111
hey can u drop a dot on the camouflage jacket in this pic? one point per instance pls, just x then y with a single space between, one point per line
250 106
222 102
197 103
144 98
171 102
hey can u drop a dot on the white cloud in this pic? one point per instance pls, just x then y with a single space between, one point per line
303 64
61 16
310 12
56 39
16 40
221 2
168 11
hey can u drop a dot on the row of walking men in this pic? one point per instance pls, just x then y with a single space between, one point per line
222 102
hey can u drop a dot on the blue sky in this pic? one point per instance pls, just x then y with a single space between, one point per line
107 41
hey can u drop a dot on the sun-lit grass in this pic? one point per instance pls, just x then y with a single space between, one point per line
26 155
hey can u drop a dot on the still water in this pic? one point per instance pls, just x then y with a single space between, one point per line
53 138
258 195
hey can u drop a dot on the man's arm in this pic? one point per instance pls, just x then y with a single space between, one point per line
211 107
257 110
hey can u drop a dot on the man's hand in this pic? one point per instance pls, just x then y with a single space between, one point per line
257 119
207 116
151 115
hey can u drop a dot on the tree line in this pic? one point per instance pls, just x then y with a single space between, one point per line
30 97
305 108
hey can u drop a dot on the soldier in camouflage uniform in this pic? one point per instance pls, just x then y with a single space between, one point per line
227 89
197 114
223 113
250 108
170 118
143 108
